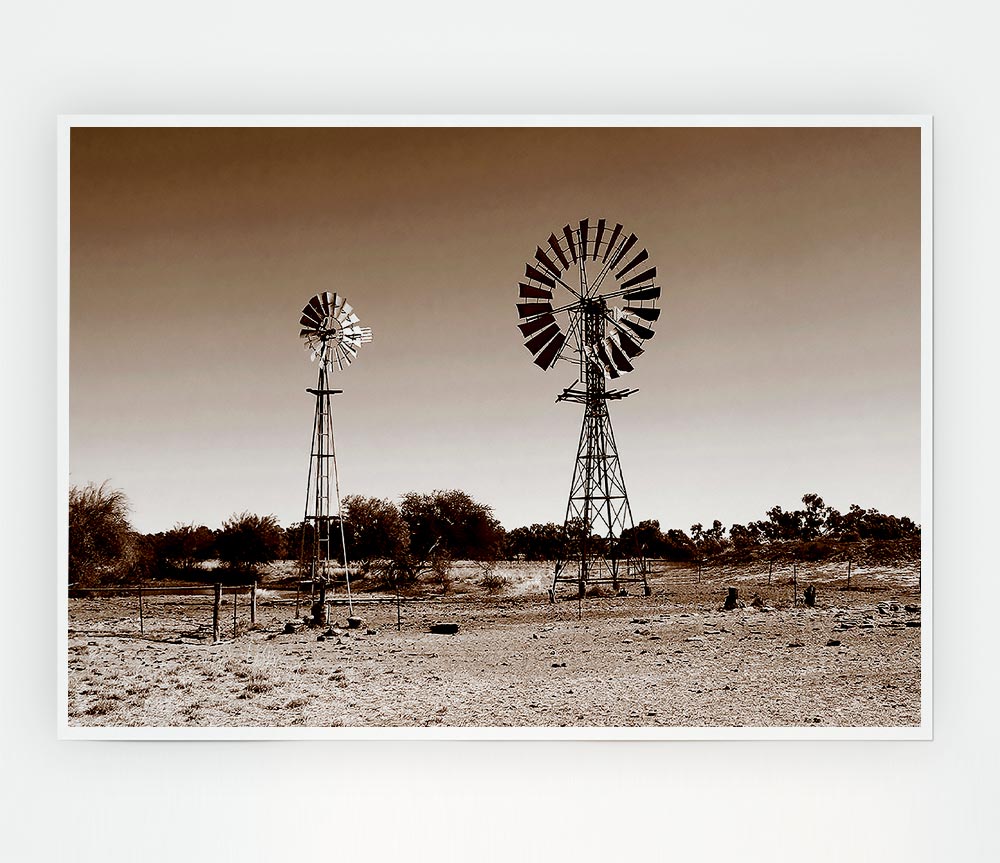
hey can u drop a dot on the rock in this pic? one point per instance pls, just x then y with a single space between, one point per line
640 620
289 628
444 628
809 596
795 644
731 598
354 622
833 642
757 602
372 631
321 637
911 608
913 623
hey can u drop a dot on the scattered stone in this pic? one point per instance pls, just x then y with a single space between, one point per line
795 644
911 608
444 628
756 601
321 637
640 620
833 642
692 638
354 622
732 597
558 664
809 596
289 628
372 631
913 623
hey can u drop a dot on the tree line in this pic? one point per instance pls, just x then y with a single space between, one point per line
422 534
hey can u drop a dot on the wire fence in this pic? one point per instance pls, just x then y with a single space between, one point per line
195 611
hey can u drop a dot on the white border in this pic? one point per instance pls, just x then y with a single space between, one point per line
922 732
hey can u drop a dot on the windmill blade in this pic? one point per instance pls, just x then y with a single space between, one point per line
538 276
623 251
312 315
536 343
529 292
629 347
570 240
309 320
638 259
597 239
606 360
611 243
551 352
317 307
527 310
642 312
546 262
366 334
554 245
618 358
643 294
329 299
642 277
584 231
641 331
534 325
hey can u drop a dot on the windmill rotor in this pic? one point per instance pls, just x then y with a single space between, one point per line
332 332
586 270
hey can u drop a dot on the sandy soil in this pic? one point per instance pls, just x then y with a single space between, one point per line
673 659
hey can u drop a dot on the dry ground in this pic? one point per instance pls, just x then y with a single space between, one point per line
673 659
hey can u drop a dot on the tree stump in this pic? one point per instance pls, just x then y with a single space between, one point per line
731 598
809 596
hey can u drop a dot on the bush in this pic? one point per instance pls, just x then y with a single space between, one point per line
247 541
102 545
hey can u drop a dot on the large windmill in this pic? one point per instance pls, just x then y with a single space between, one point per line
589 299
332 333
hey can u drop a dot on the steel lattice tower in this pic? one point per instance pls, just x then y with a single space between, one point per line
598 510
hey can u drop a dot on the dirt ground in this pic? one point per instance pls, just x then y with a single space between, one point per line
672 659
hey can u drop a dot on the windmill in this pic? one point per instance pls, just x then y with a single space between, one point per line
589 299
332 334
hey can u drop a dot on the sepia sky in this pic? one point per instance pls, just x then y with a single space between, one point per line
786 360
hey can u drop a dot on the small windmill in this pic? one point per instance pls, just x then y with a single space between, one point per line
332 334
589 298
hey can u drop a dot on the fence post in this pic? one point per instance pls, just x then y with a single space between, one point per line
215 612
142 628
236 596
848 573
253 602
795 583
